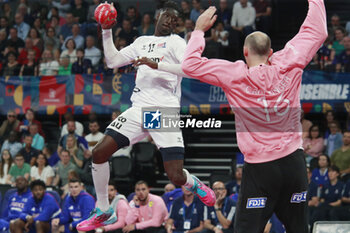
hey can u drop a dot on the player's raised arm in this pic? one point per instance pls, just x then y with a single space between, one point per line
299 51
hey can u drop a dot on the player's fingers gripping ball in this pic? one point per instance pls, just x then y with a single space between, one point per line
105 15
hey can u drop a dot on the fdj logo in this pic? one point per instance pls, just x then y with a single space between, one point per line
152 120
259 202
298 197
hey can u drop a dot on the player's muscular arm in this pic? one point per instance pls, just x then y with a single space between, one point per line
171 68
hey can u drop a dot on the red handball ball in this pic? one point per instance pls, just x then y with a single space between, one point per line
105 14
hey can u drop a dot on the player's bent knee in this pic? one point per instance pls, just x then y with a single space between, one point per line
172 153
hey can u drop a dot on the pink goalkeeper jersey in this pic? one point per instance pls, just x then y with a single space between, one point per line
264 98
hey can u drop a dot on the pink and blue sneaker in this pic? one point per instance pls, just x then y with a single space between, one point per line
97 219
205 194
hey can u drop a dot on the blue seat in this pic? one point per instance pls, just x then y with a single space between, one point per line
5 201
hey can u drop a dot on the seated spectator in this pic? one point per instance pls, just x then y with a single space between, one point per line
51 37
338 45
341 156
323 59
77 207
320 174
4 24
263 19
63 7
243 17
12 144
70 50
186 214
38 25
19 168
342 213
64 166
15 40
52 158
95 135
11 68
334 141
35 35
6 163
104 69
224 14
342 61
79 128
66 29
11 123
56 21
77 154
3 41
234 185
82 65
305 124
22 27
334 24
169 187
65 65
91 11
79 12
38 140
28 151
81 142
91 52
42 170
48 66
133 16
85 174
185 9
29 118
329 118
219 34
38 211
312 193
331 195
121 207
313 144
78 39
220 216
126 32
180 28
16 203
196 10
148 212
31 68
22 58
147 26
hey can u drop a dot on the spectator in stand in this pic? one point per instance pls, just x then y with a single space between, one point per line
79 12
15 203
66 29
323 58
77 206
148 212
79 128
5 165
48 66
85 174
35 35
4 24
95 135
52 158
180 28
334 141
338 45
54 13
77 154
189 26
29 119
91 11
329 118
234 185
243 18
65 66
3 42
19 168
126 32
54 23
78 39
342 61
312 193
51 37
121 207
170 194
63 6
133 16
38 211
28 151
8 125
82 143
341 156
263 19
31 68
22 27
186 214
24 11
313 144
38 140
224 14
42 170
12 67
12 144
330 198
219 34
39 27
196 10
335 23
169 187
185 9
82 65
23 55
70 50
7 11
91 52
64 166
342 213
320 174
219 218
147 26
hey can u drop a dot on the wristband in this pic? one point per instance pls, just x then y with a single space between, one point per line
217 209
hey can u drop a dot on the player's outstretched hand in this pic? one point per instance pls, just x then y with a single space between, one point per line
206 20
145 61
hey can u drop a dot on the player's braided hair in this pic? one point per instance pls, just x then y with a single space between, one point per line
171 5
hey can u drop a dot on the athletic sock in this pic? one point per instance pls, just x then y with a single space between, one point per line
189 180
100 175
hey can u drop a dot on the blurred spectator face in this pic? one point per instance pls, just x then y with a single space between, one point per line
11 116
223 4
185 6
54 22
65 61
69 18
80 54
3 22
78 2
11 58
5 155
112 192
68 116
244 3
90 42
115 114
33 129
19 161
51 32
339 35
54 11
219 189
189 25
75 29
13 33
94 127
332 175
70 44
28 140
70 142
21 183
41 160
239 173
28 43
31 55
75 188
12 136
346 139
146 19
126 25
37 23
3 35
169 187
47 55
346 42
71 127
335 21
322 161
18 18
141 191
131 13
333 127
196 4
186 192
65 157
22 9
38 192
6 6
329 117
315 131
29 115
220 27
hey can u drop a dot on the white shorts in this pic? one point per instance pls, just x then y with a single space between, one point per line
130 124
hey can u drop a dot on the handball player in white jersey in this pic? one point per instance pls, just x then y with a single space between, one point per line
154 88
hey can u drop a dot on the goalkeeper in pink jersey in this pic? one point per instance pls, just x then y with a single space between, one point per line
264 95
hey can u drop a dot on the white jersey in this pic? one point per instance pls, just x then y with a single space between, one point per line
155 87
